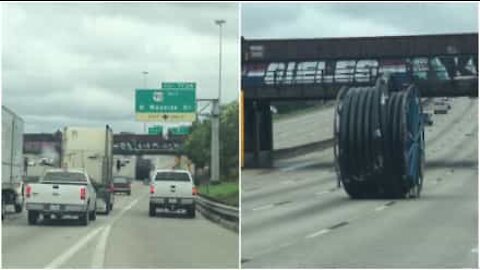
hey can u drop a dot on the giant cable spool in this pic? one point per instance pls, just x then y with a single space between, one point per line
379 140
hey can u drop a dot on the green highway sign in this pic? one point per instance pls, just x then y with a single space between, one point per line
178 85
155 130
182 130
177 103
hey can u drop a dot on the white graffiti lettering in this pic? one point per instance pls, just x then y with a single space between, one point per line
363 70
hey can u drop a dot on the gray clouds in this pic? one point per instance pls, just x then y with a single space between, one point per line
356 19
78 64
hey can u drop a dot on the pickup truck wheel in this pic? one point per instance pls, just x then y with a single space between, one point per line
18 208
46 218
93 214
3 208
85 218
107 208
151 210
32 217
191 211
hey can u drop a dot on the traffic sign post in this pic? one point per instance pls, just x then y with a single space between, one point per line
182 130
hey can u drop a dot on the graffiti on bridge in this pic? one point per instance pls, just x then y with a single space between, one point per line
362 70
150 144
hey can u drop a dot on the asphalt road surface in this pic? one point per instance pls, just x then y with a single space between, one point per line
127 238
294 216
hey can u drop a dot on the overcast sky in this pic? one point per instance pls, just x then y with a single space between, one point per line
78 64
359 19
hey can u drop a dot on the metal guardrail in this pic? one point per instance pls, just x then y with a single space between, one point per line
224 214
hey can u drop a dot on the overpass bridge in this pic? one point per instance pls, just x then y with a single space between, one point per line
123 144
306 69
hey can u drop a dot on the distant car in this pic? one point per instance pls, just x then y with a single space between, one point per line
122 185
172 190
440 108
427 119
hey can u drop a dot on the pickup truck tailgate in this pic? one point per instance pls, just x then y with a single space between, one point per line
173 189
55 193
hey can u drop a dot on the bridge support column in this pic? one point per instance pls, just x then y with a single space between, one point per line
258 134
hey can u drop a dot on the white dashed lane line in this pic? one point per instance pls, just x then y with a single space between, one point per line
265 207
321 232
64 257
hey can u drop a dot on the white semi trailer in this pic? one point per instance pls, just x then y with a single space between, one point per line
91 149
12 161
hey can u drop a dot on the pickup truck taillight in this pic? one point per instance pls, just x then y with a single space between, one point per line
28 191
194 191
83 193
152 189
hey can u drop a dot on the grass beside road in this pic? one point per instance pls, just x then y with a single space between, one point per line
226 192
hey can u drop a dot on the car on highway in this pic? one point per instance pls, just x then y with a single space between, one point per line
440 107
122 184
172 190
60 193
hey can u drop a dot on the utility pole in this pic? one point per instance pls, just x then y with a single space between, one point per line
215 143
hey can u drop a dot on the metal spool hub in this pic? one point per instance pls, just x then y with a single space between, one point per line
379 141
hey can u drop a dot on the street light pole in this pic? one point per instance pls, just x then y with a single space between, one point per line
215 143
220 28
145 73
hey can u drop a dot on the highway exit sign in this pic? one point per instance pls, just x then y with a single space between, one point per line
155 130
175 102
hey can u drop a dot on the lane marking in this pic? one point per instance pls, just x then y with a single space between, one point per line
380 208
126 208
320 193
60 260
321 232
100 249
98 258
474 250
265 207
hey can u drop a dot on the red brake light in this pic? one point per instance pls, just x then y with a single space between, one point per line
83 193
152 189
194 191
28 191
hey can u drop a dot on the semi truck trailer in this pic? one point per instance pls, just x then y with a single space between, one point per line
12 161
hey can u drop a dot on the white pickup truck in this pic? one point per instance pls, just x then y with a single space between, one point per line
61 192
172 190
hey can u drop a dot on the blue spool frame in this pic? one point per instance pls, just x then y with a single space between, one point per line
414 144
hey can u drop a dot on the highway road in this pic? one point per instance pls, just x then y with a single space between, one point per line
305 128
294 216
128 238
